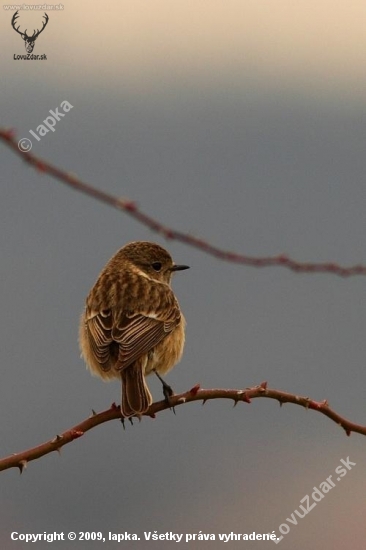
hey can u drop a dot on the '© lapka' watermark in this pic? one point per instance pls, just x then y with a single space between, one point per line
49 123
317 495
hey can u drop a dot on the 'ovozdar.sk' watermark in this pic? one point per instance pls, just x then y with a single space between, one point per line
317 495
25 144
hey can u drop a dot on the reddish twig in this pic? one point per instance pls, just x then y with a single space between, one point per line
130 207
20 460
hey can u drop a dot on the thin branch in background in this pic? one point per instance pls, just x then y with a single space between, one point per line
20 460
131 208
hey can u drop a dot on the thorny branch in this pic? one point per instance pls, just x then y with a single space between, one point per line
131 208
20 460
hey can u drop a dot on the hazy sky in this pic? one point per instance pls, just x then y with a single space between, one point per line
241 122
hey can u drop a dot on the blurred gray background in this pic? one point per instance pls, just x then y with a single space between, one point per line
241 122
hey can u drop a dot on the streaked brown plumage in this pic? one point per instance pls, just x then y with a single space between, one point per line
132 324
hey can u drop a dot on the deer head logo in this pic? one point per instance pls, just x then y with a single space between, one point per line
28 40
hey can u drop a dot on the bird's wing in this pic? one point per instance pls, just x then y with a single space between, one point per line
135 333
99 331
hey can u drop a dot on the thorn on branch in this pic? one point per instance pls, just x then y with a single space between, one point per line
245 398
40 166
9 134
168 234
129 205
22 465
315 405
194 390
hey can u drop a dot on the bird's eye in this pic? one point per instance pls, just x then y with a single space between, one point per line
157 266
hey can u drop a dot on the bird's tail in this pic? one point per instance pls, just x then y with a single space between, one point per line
136 397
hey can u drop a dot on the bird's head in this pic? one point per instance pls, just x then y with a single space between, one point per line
152 259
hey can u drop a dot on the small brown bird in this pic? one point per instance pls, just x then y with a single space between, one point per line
132 325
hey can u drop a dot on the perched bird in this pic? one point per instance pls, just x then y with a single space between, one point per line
132 325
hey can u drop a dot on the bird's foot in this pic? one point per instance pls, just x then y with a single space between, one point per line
167 391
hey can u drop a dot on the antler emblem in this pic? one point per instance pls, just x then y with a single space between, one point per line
28 40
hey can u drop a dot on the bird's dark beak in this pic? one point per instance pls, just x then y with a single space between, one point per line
179 267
